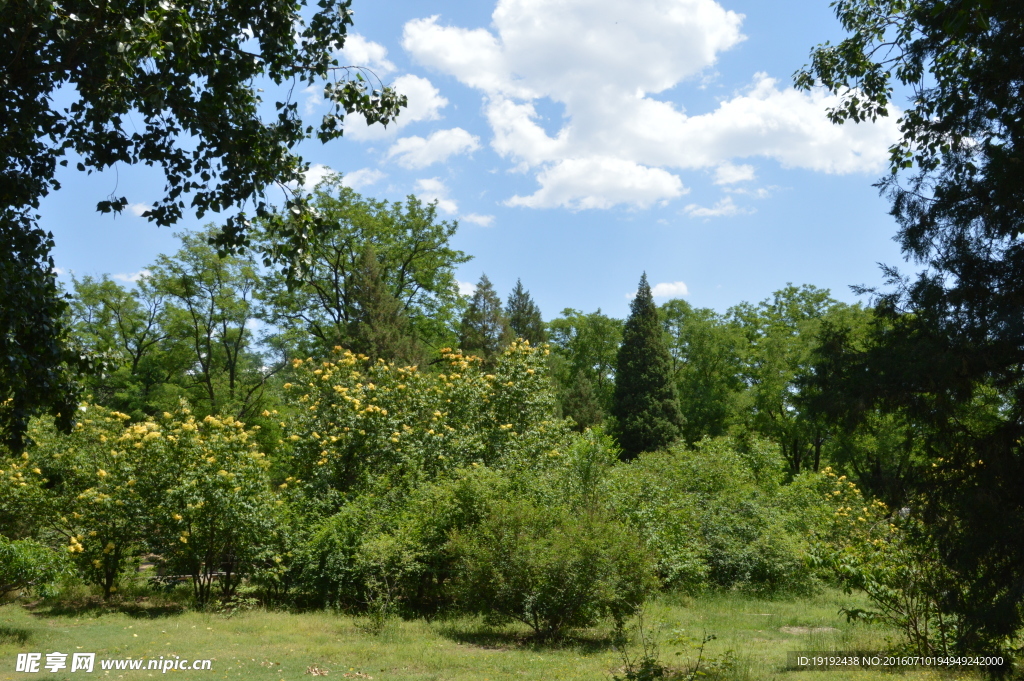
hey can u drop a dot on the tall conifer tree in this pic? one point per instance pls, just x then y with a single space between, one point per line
524 316
645 405
484 330
379 326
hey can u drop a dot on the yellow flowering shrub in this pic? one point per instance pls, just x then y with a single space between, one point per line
194 491
361 422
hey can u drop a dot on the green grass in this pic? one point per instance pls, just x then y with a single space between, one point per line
273 646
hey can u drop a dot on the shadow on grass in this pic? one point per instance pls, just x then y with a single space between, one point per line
14 635
480 635
95 606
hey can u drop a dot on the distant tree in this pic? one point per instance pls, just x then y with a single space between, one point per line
524 316
414 258
379 327
706 352
585 348
645 405
484 329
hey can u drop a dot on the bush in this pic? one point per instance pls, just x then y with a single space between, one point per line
714 517
366 426
26 564
395 552
551 569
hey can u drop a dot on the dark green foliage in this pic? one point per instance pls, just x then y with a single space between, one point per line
484 329
36 361
379 327
524 316
551 569
580 402
948 352
645 406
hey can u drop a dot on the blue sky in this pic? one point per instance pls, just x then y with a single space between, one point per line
580 143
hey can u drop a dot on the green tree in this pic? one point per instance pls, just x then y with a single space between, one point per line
174 86
524 316
947 352
781 334
484 329
583 363
210 314
314 309
706 352
645 405
379 327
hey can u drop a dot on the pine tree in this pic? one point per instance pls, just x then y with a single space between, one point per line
524 316
484 330
379 326
645 405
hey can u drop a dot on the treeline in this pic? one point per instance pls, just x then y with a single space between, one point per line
219 332
350 431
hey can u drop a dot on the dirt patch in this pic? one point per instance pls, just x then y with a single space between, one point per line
806 630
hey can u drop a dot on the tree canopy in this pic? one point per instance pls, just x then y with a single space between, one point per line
947 350
173 85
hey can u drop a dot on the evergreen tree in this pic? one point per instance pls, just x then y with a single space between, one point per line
645 405
484 330
379 326
524 316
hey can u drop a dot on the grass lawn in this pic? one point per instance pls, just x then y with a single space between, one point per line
274 646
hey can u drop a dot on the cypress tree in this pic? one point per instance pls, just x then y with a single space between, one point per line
644 405
524 316
379 327
484 330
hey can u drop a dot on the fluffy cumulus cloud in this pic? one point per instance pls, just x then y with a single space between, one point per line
580 53
670 289
417 152
364 177
431 190
425 104
359 51
139 209
466 288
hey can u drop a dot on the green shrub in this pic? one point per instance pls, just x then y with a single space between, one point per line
714 516
551 569
396 551
26 564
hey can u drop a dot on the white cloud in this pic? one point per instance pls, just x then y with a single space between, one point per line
313 99
433 189
579 53
476 219
364 177
417 152
359 51
137 209
727 173
598 182
466 288
425 104
316 173
673 289
724 208
59 271
133 277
